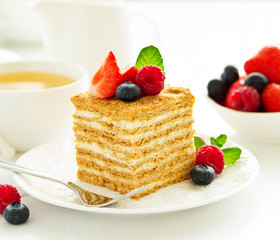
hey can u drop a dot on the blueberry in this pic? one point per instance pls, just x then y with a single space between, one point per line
217 90
230 75
202 174
257 81
16 213
128 92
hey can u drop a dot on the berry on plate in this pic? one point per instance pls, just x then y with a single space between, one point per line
271 97
150 79
212 156
257 81
217 89
16 213
128 73
245 98
128 92
267 62
106 80
230 75
8 194
202 174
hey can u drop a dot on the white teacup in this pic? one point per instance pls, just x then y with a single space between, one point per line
31 117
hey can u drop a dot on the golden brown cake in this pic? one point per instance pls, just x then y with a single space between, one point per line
126 145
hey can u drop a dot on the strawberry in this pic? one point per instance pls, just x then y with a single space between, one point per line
267 62
128 73
271 97
106 80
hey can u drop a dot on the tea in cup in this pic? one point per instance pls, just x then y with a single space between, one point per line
35 102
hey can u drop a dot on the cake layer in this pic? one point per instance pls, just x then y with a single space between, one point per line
156 181
90 161
134 153
141 126
169 138
136 157
147 107
87 132
180 111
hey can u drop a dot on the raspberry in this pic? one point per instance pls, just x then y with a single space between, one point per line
271 97
237 84
243 99
212 156
8 194
267 62
150 79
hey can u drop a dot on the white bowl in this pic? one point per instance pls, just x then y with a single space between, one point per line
33 117
255 126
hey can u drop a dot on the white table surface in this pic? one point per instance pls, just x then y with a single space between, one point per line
196 40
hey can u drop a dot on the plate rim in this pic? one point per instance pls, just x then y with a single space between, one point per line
135 211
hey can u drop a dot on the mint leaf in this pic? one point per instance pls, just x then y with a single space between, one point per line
149 56
213 141
198 142
231 155
221 140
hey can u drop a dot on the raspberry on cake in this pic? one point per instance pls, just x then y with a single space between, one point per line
127 141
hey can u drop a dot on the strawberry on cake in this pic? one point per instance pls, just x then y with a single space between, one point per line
132 130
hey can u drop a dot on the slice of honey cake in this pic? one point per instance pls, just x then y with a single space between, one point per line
131 130
125 145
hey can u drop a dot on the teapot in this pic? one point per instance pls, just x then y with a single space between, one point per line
84 31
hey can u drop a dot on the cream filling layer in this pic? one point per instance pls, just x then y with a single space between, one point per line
129 124
114 179
137 136
116 155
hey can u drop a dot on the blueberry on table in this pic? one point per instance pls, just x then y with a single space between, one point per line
257 81
128 92
230 75
217 90
16 213
202 174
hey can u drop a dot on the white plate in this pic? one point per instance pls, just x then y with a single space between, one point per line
58 159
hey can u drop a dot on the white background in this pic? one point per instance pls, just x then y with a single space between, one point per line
197 39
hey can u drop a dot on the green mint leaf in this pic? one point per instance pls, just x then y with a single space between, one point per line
198 142
221 140
213 141
231 155
149 56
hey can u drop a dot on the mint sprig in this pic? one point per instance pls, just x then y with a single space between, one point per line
231 155
219 141
198 142
149 56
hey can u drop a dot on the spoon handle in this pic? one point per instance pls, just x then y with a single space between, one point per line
19 169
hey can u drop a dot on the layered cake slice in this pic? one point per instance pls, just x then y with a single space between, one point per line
123 145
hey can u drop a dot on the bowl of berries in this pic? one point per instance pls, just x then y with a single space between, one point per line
250 103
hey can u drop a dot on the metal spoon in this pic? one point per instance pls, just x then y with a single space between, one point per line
88 198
